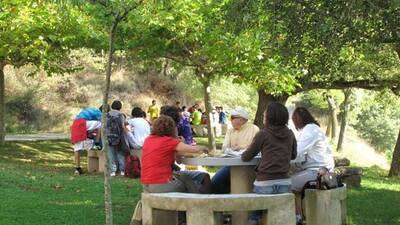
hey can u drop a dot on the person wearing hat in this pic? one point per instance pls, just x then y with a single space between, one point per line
239 137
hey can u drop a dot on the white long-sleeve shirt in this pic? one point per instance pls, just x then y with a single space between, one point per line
140 130
313 149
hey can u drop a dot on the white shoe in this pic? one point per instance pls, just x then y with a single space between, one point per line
112 174
122 173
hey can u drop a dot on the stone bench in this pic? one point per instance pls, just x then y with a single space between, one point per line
325 207
205 209
96 161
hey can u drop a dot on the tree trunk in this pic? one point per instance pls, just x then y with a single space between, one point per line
2 104
395 166
107 182
328 132
333 116
343 122
263 101
205 80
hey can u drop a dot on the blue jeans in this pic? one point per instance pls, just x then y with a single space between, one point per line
268 190
221 181
116 156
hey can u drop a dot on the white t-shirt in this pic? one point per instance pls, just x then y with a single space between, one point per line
140 129
313 148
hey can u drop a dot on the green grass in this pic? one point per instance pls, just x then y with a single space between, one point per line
37 186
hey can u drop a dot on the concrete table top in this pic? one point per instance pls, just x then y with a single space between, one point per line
219 161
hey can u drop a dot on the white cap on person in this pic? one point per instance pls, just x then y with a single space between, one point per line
240 112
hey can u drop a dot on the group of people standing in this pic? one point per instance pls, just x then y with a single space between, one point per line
125 134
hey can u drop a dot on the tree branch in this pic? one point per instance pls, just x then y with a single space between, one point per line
392 84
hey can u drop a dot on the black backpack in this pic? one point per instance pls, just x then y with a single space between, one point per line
114 129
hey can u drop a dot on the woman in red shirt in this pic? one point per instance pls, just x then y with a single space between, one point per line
158 156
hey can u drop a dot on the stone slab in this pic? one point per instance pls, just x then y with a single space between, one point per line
219 161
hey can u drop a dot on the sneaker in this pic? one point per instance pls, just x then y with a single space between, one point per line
78 171
122 173
112 174
96 147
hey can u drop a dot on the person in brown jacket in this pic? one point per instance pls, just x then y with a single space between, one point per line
277 145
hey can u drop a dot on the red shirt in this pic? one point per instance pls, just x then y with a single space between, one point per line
158 155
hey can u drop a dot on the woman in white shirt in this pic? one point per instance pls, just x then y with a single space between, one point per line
313 152
140 128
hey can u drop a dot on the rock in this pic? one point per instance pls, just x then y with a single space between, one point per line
353 181
341 162
348 171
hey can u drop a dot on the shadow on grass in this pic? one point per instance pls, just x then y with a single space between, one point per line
56 155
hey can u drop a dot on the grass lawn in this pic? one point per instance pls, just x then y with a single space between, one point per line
37 186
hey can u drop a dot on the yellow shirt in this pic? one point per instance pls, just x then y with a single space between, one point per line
153 111
240 139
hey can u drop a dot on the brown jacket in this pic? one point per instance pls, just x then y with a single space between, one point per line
278 146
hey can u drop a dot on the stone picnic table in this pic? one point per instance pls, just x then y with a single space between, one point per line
242 177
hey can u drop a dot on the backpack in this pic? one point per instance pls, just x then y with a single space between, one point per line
132 166
114 129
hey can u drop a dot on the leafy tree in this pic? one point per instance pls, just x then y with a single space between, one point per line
320 44
40 34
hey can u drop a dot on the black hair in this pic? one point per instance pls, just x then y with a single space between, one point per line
107 108
116 105
183 108
171 111
137 112
305 117
277 114
144 115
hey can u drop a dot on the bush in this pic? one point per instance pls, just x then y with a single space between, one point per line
379 122
23 114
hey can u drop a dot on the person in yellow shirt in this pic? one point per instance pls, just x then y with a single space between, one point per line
154 111
239 137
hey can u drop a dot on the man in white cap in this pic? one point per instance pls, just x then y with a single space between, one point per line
239 137
241 134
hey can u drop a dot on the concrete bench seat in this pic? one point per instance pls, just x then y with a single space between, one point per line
325 207
202 209
96 161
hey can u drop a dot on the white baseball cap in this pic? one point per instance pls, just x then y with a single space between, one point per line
240 112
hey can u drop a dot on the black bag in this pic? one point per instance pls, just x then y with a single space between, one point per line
327 180
114 129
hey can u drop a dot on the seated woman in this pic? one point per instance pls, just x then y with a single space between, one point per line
277 145
313 152
140 129
158 156
237 138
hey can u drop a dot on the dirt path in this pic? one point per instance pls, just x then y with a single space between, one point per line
37 137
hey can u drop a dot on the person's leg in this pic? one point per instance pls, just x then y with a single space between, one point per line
299 180
221 181
206 185
111 160
121 162
77 157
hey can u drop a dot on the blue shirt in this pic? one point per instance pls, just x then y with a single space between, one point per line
89 114
222 118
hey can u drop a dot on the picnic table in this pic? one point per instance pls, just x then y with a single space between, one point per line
242 177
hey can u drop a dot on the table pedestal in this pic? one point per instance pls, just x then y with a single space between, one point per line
242 178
